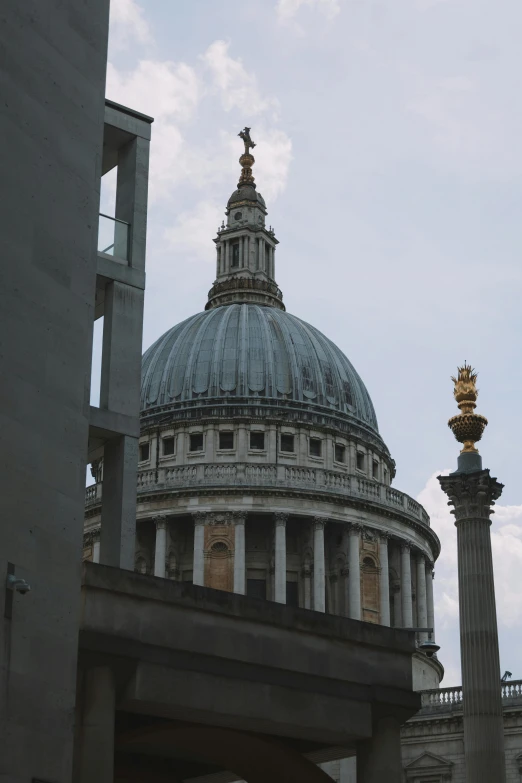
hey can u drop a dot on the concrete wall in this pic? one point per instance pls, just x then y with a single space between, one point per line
51 125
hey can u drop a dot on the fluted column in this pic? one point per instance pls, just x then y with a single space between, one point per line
384 580
319 569
406 600
422 605
239 552
280 557
430 575
161 545
96 546
354 557
472 495
198 573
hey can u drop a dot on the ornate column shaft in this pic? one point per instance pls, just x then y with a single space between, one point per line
429 598
384 581
160 554
96 546
354 557
472 495
406 599
422 604
280 557
239 552
319 569
198 574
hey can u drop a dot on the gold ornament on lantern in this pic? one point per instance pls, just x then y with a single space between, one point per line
467 426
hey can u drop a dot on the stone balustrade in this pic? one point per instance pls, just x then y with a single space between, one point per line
444 699
276 476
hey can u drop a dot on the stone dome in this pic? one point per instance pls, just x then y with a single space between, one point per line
251 351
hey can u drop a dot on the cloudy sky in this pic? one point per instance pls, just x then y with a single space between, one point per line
389 154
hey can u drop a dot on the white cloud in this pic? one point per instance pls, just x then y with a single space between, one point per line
194 230
287 9
128 25
506 542
237 87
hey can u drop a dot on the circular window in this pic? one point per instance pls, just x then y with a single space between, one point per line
219 546
238 216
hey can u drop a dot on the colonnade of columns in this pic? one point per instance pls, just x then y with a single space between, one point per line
314 578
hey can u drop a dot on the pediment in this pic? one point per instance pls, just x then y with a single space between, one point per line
429 767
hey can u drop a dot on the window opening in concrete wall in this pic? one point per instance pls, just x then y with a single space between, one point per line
339 453
168 446
96 361
287 443
196 441
375 469
235 254
360 460
226 440
257 441
315 447
144 452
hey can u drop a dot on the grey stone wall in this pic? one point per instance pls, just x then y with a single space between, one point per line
51 127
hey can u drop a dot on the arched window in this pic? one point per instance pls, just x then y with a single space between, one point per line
219 566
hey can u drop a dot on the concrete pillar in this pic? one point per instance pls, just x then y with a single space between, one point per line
131 195
96 546
430 575
422 604
406 599
198 573
280 557
355 572
379 758
472 495
97 729
118 514
384 580
319 565
160 555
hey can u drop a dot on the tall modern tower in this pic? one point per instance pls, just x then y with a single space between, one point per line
472 492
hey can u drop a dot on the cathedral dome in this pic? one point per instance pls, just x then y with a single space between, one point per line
249 351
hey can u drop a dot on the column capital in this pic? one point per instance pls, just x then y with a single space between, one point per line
160 520
406 546
91 537
200 517
384 537
319 523
239 517
471 494
281 518
355 528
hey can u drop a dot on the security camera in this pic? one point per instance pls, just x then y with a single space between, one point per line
429 648
17 584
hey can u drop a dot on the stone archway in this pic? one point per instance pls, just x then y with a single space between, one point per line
257 759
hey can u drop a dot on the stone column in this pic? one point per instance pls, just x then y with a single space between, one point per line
422 605
280 557
430 574
239 552
307 575
472 494
406 599
319 569
227 256
354 556
160 554
384 580
242 445
97 729
198 573
379 758
96 546
397 610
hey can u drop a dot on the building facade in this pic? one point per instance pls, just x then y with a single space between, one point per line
261 467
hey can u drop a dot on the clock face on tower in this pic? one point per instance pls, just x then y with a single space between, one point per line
238 216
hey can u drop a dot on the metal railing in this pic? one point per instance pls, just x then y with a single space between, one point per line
113 237
277 477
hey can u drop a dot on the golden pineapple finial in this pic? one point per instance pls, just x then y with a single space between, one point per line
467 426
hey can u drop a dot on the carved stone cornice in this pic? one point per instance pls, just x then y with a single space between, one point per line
281 518
471 494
